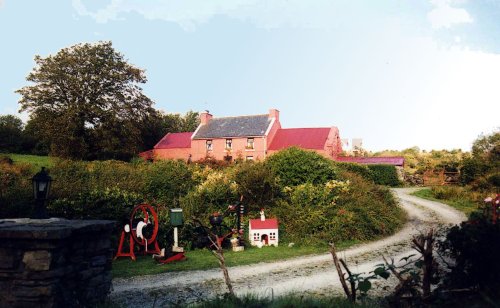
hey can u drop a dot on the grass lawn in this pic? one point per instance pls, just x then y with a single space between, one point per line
463 205
37 161
203 259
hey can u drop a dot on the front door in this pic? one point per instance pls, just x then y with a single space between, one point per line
264 239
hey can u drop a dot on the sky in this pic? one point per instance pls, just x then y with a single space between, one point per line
396 73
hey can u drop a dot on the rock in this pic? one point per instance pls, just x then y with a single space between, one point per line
38 260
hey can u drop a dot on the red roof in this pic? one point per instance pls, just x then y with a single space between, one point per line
306 138
146 155
269 223
394 160
174 141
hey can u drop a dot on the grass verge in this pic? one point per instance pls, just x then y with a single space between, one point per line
36 161
285 301
203 259
464 205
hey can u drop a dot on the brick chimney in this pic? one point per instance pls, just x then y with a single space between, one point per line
205 117
274 113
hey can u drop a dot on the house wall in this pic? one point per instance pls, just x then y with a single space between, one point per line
261 232
199 150
177 153
333 145
272 132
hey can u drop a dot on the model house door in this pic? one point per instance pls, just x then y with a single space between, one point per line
264 239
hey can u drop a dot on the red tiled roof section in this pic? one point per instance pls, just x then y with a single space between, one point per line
306 138
392 160
269 223
175 141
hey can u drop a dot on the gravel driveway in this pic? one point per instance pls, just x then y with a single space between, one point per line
310 274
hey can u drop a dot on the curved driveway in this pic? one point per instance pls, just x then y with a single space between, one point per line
310 274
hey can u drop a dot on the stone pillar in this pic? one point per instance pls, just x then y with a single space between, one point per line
54 262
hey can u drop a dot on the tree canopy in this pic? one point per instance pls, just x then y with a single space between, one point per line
86 103
11 129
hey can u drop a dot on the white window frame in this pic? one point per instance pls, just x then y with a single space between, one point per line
249 158
250 143
229 144
209 145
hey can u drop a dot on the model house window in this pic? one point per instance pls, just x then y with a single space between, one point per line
249 157
256 236
272 236
249 143
229 144
209 145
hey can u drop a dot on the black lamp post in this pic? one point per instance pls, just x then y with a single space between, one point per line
41 189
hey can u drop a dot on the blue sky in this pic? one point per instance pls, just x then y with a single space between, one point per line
395 73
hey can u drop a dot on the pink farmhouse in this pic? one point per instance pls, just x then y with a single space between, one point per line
250 137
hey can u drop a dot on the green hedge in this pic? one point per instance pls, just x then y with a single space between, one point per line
361 170
312 197
294 166
385 175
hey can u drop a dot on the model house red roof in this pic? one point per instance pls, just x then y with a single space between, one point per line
175 141
270 223
306 138
394 160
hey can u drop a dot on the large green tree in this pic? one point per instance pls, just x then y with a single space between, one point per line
11 129
87 103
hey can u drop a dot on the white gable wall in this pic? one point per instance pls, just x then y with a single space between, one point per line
256 235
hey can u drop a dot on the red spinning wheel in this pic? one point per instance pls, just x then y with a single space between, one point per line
144 222
142 230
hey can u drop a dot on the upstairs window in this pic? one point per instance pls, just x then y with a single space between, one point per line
209 145
249 143
229 144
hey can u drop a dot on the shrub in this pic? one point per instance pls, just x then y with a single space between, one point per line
351 209
359 169
373 209
166 181
257 184
305 212
213 194
385 175
108 203
494 180
475 249
471 169
294 166
16 192
74 177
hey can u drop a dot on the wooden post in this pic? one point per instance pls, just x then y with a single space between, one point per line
339 272
423 244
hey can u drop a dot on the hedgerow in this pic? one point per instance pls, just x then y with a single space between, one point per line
385 175
294 166
313 198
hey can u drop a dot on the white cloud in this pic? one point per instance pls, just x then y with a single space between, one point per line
443 15
1 3
266 14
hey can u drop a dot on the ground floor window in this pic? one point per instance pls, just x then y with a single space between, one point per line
249 157
256 236
272 235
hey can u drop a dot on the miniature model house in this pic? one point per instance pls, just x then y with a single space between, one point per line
263 232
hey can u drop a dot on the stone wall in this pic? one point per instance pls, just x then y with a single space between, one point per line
54 262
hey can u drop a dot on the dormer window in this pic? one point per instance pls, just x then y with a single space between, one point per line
229 144
249 143
209 145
